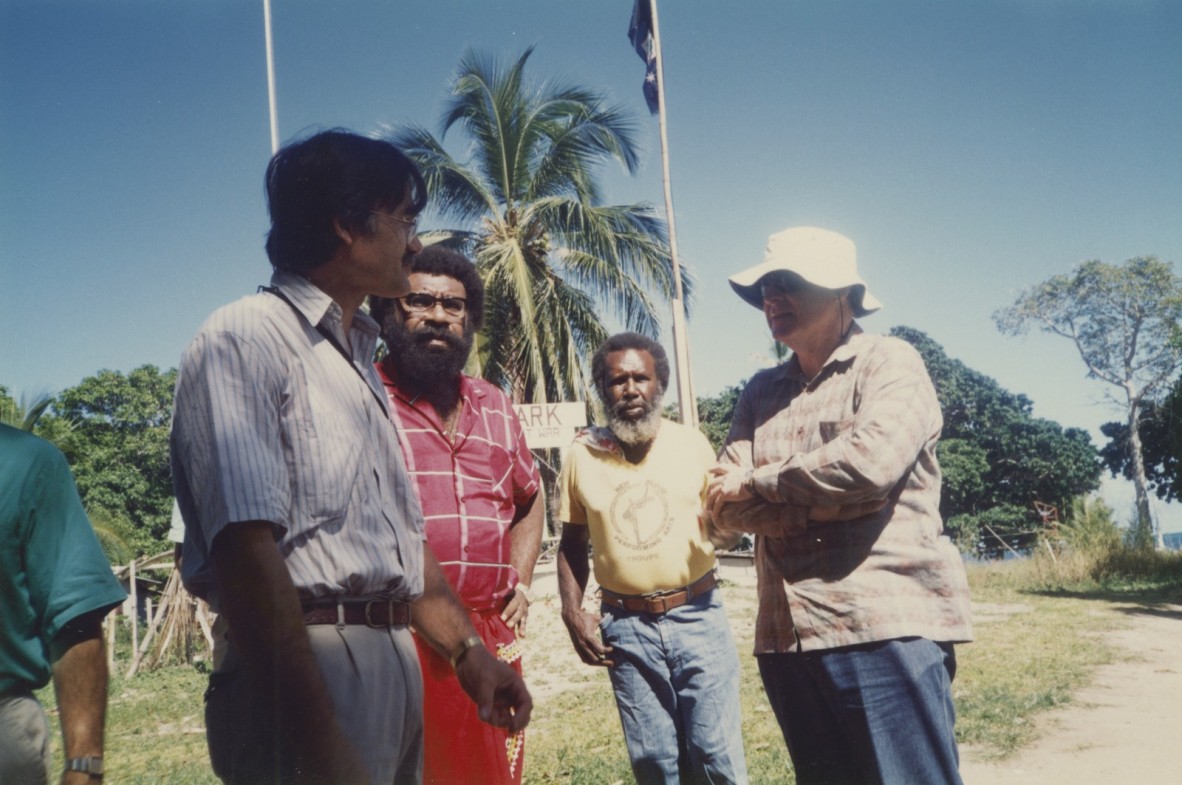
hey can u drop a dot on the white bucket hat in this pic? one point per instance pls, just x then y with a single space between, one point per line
819 256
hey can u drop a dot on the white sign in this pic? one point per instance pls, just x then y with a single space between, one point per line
550 424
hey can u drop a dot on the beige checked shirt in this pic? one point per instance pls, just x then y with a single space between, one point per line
864 429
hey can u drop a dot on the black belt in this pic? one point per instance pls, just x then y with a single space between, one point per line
357 610
660 601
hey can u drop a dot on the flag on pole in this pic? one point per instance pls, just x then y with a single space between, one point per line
640 33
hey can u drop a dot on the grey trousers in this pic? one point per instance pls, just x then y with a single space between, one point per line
376 687
25 757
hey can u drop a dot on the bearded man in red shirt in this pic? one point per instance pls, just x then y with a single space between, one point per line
479 489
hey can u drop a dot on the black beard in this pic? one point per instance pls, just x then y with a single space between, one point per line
639 431
433 371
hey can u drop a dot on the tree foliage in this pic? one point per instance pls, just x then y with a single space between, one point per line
1123 320
527 207
118 451
1160 428
997 458
715 415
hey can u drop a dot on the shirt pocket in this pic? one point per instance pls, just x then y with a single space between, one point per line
494 464
325 478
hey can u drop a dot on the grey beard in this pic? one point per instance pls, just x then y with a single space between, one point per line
636 432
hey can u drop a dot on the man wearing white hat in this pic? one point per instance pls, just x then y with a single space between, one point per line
831 463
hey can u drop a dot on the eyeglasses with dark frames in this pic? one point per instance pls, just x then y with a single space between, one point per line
421 302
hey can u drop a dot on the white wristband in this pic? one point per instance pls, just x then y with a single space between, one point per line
526 592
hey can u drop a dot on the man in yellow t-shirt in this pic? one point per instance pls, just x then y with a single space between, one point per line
634 490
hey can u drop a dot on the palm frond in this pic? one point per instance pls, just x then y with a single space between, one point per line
453 188
23 415
109 531
555 261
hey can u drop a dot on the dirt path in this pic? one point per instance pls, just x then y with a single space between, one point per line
1124 728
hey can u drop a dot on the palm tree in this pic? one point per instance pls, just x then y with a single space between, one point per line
554 259
25 414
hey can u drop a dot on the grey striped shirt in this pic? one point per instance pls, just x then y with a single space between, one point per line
270 423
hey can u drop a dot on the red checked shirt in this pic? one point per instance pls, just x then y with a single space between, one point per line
469 489
863 430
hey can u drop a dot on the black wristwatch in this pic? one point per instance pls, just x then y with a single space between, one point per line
91 765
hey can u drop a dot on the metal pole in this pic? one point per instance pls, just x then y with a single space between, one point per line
271 78
687 404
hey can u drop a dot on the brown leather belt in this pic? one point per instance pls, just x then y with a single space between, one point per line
357 610
660 601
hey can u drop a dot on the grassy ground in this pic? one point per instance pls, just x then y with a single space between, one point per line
1040 633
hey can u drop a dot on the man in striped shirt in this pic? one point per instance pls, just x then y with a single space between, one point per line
831 462
302 525
479 489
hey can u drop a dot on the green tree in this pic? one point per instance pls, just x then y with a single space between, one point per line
996 457
1160 429
119 451
528 209
715 415
1123 321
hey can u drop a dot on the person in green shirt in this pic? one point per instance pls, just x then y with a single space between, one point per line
56 587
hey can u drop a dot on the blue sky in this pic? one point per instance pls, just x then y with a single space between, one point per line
970 149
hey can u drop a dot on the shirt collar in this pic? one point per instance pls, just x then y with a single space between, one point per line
315 305
600 438
845 352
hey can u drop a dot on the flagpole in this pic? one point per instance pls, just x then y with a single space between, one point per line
687 404
271 103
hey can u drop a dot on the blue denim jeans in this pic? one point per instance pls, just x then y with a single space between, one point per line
676 680
876 714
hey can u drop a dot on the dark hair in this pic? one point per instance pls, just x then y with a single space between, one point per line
622 342
332 176
438 260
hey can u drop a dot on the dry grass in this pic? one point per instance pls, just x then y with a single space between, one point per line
1040 635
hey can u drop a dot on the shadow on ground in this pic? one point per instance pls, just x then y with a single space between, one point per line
1153 600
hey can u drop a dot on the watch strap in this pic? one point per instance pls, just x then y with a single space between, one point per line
469 643
90 764
525 591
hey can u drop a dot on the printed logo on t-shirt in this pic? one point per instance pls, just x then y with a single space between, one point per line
640 515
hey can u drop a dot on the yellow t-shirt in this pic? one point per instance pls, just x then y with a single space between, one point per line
644 517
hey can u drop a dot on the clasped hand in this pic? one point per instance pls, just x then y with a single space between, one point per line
725 486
